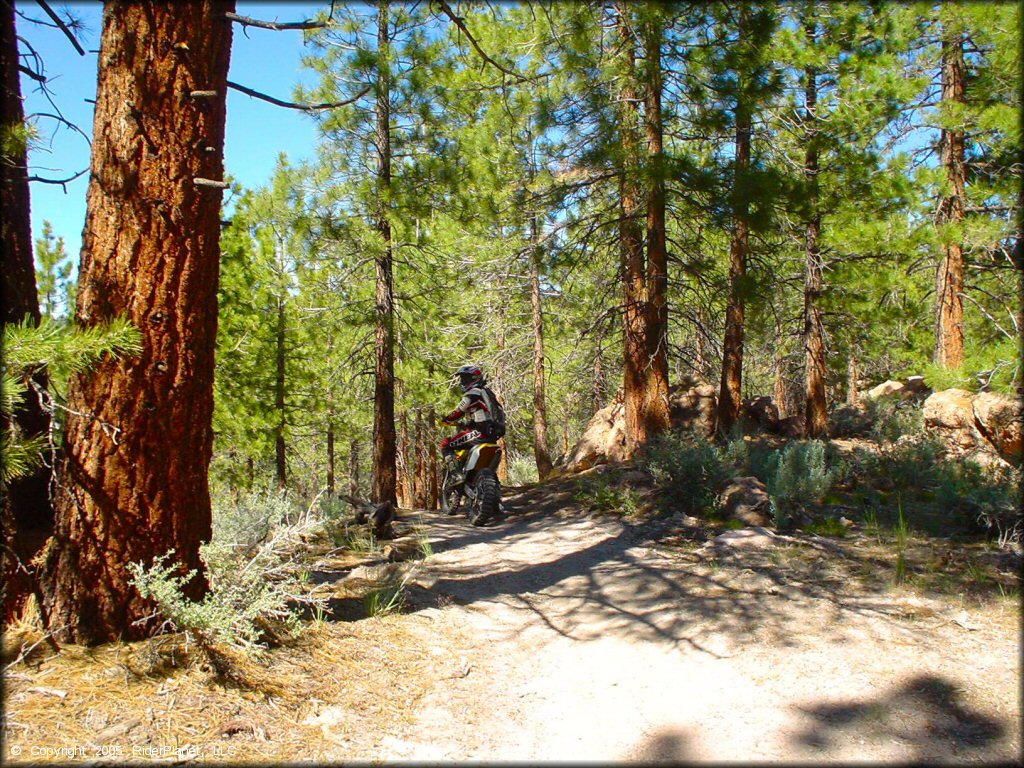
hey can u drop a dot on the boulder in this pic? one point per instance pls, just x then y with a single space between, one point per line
746 499
762 413
692 405
1000 420
950 414
755 538
912 388
792 427
603 440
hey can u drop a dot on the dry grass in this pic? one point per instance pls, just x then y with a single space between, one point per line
339 688
333 692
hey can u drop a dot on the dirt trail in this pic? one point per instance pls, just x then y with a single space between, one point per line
583 639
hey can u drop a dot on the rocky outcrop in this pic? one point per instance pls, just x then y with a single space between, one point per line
911 388
692 405
761 414
1000 420
746 499
977 423
950 415
603 440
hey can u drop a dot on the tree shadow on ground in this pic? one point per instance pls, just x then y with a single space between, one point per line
619 585
925 713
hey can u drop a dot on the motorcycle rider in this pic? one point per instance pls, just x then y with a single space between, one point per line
483 414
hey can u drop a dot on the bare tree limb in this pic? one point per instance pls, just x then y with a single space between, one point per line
61 182
292 104
63 27
34 75
277 26
460 23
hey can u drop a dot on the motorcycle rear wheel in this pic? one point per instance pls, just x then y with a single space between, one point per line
488 498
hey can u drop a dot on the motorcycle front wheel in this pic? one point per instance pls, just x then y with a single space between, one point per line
451 497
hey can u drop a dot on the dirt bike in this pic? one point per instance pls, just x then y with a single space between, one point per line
474 484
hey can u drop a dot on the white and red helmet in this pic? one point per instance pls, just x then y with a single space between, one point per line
468 376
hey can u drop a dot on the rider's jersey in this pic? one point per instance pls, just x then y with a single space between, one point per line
477 408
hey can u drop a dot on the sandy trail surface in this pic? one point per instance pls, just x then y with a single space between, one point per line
583 639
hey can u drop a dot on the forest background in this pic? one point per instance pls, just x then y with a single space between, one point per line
789 199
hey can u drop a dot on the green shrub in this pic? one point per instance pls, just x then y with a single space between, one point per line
244 521
796 476
258 583
891 418
599 494
691 470
522 469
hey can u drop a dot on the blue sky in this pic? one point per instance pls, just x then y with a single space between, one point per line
256 131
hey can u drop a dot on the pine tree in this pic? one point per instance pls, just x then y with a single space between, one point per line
133 482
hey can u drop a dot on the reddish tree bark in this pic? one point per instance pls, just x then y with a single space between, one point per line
631 247
384 440
431 441
26 515
731 388
280 452
949 303
541 452
815 404
656 408
133 484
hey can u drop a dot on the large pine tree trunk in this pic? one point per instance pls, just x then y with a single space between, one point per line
949 303
631 246
280 456
384 439
541 452
730 391
26 513
815 405
431 441
330 456
133 483
656 408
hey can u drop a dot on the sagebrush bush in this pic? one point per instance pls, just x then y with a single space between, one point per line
691 470
892 418
522 469
796 476
253 566
245 520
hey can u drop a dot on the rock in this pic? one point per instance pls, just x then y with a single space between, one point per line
746 499
1000 420
950 414
753 538
913 388
635 479
792 427
762 413
603 440
885 389
692 404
